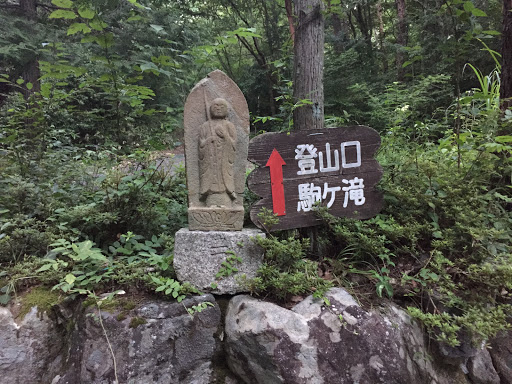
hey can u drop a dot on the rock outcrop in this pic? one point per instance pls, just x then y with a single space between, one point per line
157 341
340 343
30 348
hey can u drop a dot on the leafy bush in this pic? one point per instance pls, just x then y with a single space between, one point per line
444 238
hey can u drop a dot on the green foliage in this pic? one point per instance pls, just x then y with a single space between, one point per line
444 236
267 218
228 266
81 267
286 271
169 287
199 308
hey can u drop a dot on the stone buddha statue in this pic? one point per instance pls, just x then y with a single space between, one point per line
217 147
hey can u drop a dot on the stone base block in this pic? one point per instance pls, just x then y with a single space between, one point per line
198 258
213 218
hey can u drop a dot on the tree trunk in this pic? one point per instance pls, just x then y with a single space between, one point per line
31 72
401 38
309 65
336 27
29 8
506 55
289 14
380 11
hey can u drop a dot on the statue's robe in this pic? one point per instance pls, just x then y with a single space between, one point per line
217 141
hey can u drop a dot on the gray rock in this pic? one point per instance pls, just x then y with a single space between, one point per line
480 368
163 345
501 354
263 343
198 257
29 347
268 344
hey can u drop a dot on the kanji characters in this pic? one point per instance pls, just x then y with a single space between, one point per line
306 155
306 160
344 146
354 192
308 195
329 167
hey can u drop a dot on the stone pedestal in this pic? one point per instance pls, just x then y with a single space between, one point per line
198 258
218 219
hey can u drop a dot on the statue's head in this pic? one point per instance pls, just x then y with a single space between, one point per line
219 108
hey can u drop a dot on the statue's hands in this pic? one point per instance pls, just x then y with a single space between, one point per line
220 132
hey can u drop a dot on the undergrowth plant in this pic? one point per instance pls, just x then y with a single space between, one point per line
443 242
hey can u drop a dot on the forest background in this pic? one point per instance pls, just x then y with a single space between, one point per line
91 101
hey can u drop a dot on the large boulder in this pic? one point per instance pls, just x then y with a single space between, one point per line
156 342
340 343
30 347
501 353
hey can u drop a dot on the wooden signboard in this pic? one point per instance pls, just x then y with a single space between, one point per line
332 167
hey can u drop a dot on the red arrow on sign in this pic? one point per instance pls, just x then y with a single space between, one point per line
276 162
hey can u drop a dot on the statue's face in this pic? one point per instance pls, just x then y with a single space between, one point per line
219 108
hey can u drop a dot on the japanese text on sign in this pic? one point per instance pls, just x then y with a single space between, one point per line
307 153
309 193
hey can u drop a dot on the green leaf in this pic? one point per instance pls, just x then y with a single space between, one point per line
148 66
105 41
88 39
20 81
70 278
503 139
45 267
478 12
134 2
97 25
160 288
2 80
86 13
4 299
157 28
62 14
134 18
30 86
63 3
468 6
78 27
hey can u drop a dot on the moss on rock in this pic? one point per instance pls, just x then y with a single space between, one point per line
41 297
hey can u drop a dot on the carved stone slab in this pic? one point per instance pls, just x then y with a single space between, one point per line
332 167
216 144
